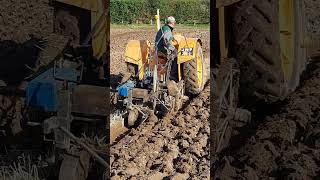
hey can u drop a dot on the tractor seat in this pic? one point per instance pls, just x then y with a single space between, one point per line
162 58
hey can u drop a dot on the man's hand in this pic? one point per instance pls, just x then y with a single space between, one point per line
174 42
172 53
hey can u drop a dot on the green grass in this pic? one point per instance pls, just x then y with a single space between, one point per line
149 26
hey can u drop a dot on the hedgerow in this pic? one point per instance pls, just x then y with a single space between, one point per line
142 11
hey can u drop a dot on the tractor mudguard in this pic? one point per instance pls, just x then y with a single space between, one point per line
137 53
186 48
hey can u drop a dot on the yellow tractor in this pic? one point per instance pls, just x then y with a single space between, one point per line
147 86
190 61
261 56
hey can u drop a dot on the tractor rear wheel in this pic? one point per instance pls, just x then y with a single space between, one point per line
267 46
68 25
193 72
132 69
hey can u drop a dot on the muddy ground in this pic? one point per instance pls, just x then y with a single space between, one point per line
312 17
176 146
286 144
18 19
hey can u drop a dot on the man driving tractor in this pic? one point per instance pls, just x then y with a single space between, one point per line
164 43
165 48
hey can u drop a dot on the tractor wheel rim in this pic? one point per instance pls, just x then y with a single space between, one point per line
199 58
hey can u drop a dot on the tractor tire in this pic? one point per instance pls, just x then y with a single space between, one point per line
67 25
132 69
257 47
193 73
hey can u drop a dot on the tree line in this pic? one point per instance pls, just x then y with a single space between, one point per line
143 11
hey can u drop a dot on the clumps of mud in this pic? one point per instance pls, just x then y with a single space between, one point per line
176 147
20 18
312 17
286 145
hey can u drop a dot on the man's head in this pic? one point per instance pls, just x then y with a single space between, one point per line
170 21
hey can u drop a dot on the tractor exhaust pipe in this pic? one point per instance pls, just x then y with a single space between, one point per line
157 17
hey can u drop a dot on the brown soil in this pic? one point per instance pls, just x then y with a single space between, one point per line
286 143
176 146
116 130
18 19
312 17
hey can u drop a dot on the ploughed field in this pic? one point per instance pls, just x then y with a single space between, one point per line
176 146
